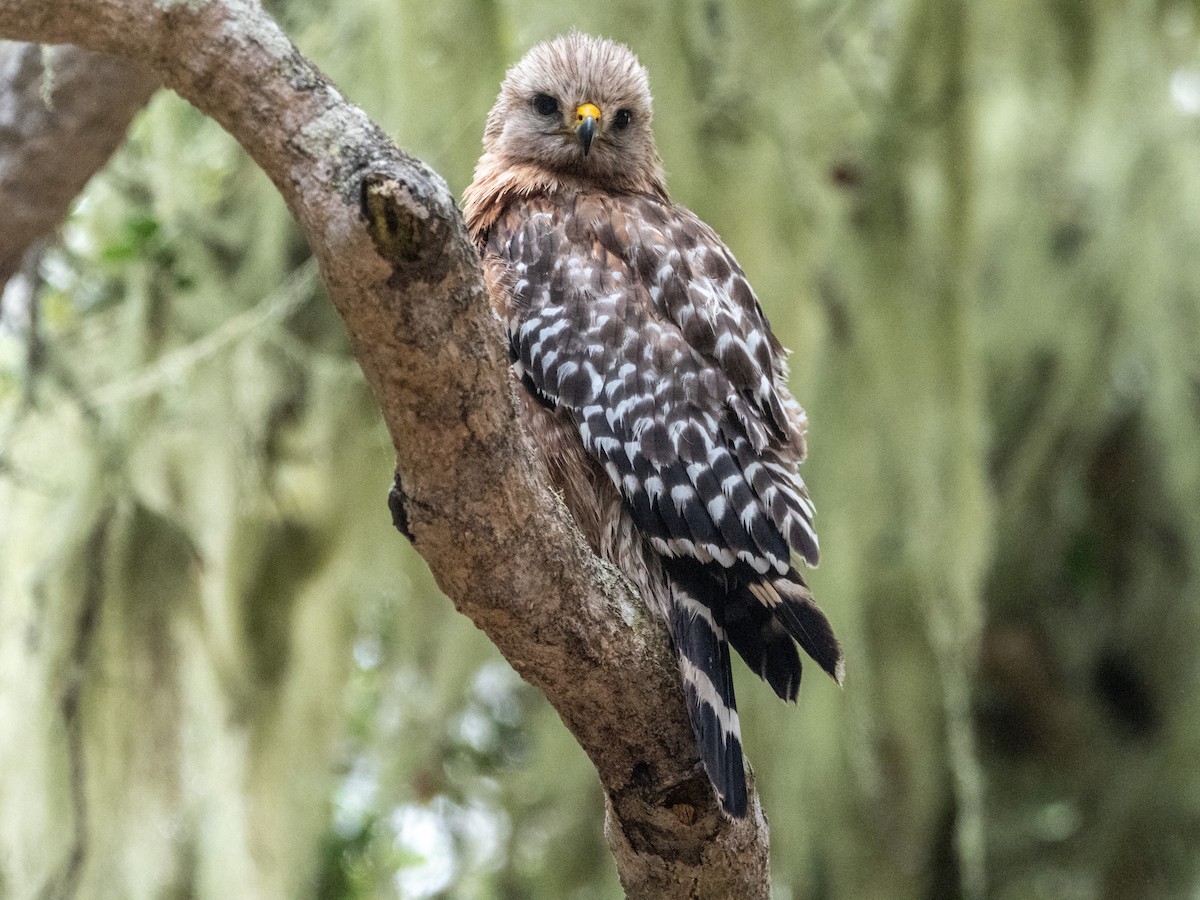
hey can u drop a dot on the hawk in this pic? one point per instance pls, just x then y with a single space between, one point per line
654 389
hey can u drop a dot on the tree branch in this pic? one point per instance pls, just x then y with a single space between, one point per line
402 272
66 111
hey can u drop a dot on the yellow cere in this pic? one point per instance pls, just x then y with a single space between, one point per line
588 109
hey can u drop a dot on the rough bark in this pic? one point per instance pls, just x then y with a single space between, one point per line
63 111
403 275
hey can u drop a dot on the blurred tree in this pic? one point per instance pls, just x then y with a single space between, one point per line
975 224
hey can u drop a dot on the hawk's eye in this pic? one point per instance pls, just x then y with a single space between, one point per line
622 119
544 104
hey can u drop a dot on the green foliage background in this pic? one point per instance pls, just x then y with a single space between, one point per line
977 225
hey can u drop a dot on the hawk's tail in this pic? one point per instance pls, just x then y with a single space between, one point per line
770 611
764 619
763 643
698 631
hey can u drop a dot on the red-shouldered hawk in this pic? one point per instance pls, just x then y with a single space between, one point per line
654 389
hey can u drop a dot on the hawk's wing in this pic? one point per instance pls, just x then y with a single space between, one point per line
632 318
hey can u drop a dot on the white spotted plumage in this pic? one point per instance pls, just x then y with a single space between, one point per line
657 393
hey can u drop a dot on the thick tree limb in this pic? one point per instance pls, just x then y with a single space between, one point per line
63 111
403 275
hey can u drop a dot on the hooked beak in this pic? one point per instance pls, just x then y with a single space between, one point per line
586 118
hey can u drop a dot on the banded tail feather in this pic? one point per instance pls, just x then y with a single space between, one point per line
763 619
765 646
792 605
698 633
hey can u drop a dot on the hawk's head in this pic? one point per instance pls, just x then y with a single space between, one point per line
580 106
